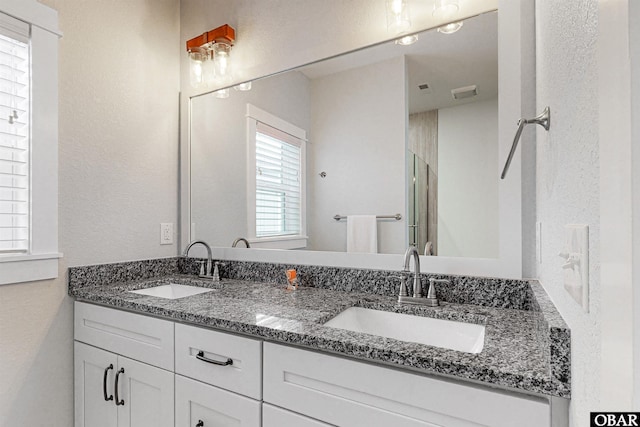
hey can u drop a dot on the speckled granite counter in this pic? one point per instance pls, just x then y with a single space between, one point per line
525 349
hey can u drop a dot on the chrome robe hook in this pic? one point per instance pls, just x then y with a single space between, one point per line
543 120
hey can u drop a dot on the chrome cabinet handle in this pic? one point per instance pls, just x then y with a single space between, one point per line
104 383
118 400
200 423
200 356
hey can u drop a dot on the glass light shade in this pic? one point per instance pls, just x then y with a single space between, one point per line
450 28
407 40
197 57
398 18
221 60
222 93
208 71
243 87
445 9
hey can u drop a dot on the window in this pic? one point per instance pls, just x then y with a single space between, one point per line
276 181
14 137
28 141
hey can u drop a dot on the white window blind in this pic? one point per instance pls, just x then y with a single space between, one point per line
278 183
14 135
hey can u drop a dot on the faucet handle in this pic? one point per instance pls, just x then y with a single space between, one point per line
433 293
404 274
216 270
202 267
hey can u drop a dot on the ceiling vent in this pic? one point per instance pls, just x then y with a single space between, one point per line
464 92
425 88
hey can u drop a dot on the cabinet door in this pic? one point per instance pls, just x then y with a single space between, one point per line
277 417
203 405
95 372
348 393
145 393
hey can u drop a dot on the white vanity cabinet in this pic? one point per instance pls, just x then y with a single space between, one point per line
114 387
344 392
170 374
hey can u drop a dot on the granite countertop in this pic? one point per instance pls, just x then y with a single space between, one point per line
524 350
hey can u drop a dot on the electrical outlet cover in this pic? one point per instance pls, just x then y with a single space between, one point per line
166 233
576 263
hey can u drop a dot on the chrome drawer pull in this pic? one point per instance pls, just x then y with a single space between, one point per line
118 400
200 356
104 383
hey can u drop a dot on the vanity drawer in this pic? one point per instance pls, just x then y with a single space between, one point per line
349 393
136 336
278 417
196 402
243 375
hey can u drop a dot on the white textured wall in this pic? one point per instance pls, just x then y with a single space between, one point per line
119 83
358 138
219 151
619 203
568 175
634 70
468 211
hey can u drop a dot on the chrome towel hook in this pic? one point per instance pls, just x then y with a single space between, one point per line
543 120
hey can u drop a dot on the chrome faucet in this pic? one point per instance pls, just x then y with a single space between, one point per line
417 285
207 273
417 297
240 239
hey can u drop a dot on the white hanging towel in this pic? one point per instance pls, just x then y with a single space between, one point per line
362 234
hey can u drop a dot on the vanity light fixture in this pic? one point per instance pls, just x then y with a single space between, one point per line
243 87
209 56
197 57
399 21
222 93
450 28
446 10
407 40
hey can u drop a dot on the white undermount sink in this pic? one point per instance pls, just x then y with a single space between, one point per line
460 336
172 291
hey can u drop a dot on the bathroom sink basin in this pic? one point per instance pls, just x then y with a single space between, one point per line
172 291
460 336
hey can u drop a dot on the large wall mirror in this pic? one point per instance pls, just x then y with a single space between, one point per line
409 134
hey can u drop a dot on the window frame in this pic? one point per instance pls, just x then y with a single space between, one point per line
297 241
41 261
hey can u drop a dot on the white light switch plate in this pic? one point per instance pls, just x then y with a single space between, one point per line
575 265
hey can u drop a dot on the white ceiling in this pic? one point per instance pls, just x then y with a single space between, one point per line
445 62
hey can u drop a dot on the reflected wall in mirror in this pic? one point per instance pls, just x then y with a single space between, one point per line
377 141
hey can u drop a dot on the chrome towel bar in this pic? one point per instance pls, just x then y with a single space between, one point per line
397 217
543 120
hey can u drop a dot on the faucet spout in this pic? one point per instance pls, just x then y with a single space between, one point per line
240 239
209 255
417 285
